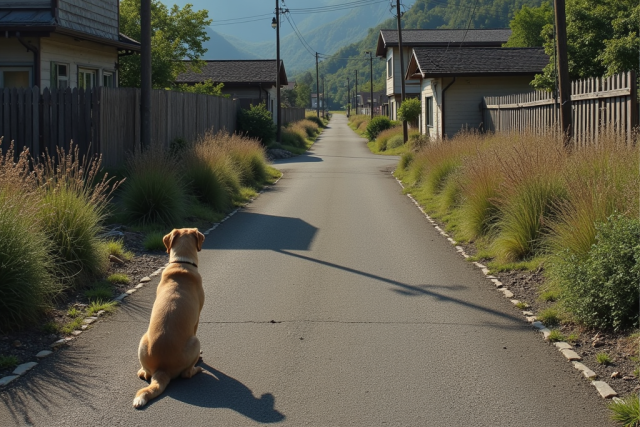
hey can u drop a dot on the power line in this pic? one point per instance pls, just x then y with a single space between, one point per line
331 8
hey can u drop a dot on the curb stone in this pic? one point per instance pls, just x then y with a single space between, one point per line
25 367
567 351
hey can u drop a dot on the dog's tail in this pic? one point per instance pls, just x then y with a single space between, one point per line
159 382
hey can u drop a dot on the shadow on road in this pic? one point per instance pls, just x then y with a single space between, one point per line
304 158
214 389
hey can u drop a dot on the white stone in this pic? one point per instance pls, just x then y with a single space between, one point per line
100 313
83 327
538 325
570 354
438 228
507 293
459 248
491 277
531 319
477 264
465 255
6 380
61 342
76 333
604 389
131 291
121 297
139 285
43 354
497 282
485 271
90 320
588 373
528 313
545 332
563 345
515 301
145 279
21 369
453 242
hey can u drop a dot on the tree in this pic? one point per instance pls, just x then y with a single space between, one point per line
208 87
288 98
410 109
303 95
527 24
176 34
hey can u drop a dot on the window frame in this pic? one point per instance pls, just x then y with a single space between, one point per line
27 68
390 67
428 109
86 71
55 77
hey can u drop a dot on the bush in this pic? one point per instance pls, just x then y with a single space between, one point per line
257 122
295 137
315 119
377 125
395 142
410 109
153 192
601 287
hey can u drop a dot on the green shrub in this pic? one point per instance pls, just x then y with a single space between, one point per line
73 225
395 142
377 125
153 241
8 362
256 122
26 283
119 279
315 119
405 160
100 291
153 191
293 138
205 184
116 248
626 411
410 109
601 287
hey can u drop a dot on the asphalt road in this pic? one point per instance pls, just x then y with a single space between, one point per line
330 301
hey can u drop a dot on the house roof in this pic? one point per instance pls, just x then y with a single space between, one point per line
237 72
466 61
494 37
37 19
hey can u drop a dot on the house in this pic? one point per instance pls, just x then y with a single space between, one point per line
364 102
314 101
250 81
454 81
388 48
61 43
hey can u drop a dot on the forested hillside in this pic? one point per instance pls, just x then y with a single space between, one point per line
423 14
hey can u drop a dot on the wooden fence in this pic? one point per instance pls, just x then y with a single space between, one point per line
290 115
600 105
107 120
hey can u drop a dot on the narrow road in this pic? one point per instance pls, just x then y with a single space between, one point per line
330 301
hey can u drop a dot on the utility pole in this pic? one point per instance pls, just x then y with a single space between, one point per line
317 89
145 81
279 117
356 98
564 84
371 81
348 97
324 99
405 131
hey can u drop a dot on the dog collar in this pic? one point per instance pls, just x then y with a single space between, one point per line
180 260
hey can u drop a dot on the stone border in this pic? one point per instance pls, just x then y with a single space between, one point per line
565 348
26 367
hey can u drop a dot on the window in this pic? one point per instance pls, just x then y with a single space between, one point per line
107 79
428 102
389 68
17 77
86 78
59 76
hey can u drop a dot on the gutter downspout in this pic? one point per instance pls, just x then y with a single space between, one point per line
444 135
36 59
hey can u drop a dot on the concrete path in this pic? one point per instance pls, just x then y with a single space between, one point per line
330 302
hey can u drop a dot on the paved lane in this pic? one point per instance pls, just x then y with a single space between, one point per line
330 302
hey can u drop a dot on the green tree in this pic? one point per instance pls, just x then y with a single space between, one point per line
410 110
527 24
176 34
208 87
303 95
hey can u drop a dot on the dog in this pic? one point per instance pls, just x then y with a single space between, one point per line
170 347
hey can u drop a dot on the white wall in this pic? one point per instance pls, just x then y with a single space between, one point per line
76 54
433 88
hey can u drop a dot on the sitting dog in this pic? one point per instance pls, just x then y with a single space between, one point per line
170 347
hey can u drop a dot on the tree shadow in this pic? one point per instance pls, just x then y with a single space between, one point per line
303 158
214 389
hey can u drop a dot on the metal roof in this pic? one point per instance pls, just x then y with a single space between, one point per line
26 17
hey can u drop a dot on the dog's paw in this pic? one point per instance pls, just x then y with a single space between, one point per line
139 402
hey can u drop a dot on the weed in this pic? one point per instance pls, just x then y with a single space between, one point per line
555 336
626 411
549 295
50 328
603 358
573 337
153 241
549 316
100 291
72 326
73 312
8 362
96 306
522 305
119 279
116 248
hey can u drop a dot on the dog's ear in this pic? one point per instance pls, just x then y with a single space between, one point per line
199 239
168 239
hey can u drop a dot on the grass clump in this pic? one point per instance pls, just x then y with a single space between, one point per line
522 305
71 326
555 336
153 241
626 411
603 358
8 362
96 306
549 316
116 248
100 291
73 312
119 279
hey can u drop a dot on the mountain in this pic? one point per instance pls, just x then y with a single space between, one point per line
219 48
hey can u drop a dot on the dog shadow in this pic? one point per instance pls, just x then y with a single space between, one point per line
215 389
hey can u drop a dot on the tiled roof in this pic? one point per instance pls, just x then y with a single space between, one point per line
236 71
445 36
436 62
442 37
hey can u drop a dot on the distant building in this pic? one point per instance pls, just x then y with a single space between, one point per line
314 101
250 81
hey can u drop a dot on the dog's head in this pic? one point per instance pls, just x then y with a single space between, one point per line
183 236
